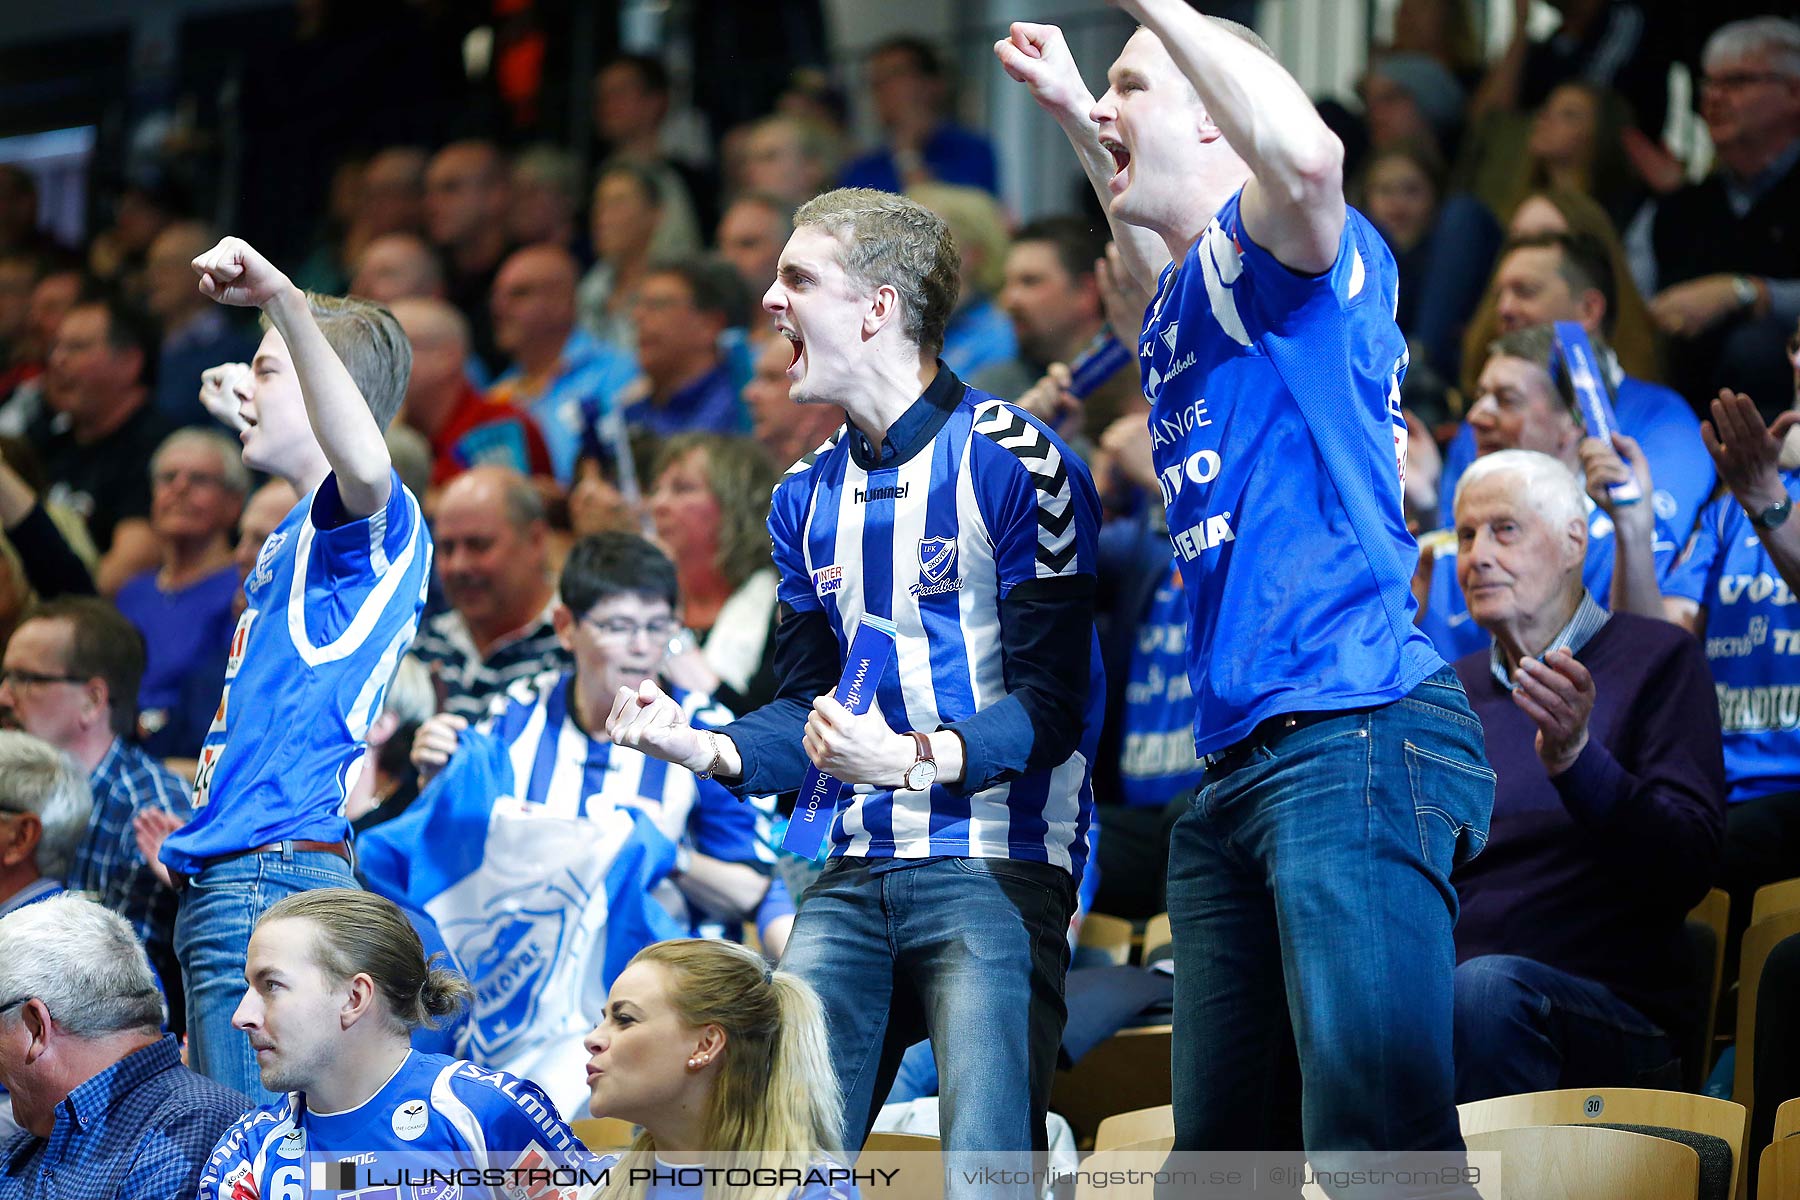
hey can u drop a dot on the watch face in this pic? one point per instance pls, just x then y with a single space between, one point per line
920 776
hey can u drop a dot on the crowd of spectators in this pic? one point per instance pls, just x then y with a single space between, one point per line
598 415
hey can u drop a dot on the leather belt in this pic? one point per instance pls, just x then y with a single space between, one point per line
1262 731
341 849
1270 727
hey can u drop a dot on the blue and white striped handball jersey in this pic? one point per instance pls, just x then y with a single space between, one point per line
434 1112
331 609
557 767
932 543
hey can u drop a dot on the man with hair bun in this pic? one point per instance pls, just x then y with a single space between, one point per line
108 1110
338 982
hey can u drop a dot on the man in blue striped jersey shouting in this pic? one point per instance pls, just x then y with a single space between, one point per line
958 845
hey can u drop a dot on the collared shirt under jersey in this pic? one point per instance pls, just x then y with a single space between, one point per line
1583 625
995 520
139 1130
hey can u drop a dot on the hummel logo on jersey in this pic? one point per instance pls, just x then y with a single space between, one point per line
873 494
937 560
1169 334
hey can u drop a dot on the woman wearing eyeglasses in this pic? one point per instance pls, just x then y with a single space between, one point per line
544 748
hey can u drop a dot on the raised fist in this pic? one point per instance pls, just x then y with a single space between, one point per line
223 391
1037 57
232 272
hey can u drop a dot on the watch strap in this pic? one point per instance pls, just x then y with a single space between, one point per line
1775 515
924 752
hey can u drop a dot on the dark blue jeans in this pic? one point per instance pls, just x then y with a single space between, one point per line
1522 1026
1309 890
971 951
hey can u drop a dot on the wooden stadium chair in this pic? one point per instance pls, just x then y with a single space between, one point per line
1144 1125
1573 1162
1157 934
1761 938
919 1159
1775 898
1778 1171
604 1133
1706 925
1642 1109
1126 1072
1787 1119
1110 935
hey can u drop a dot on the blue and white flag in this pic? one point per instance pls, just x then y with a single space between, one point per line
542 911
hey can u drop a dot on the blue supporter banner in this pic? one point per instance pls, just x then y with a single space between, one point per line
1575 356
870 652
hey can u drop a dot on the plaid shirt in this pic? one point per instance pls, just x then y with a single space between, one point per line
467 683
140 1130
109 864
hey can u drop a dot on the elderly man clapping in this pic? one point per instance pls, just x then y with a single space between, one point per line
1608 810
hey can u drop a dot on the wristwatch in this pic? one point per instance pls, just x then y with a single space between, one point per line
1773 516
923 773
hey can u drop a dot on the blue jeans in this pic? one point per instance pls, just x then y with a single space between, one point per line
1522 1026
1309 891
219 908
971 951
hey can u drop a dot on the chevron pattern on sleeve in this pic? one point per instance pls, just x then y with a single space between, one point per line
1017 434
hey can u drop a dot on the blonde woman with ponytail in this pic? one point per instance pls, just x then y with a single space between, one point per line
338 982
723 1063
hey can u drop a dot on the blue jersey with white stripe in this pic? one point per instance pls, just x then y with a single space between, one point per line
1752 641
932 542
331 609
1281 450
558 768
434 1112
